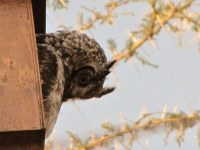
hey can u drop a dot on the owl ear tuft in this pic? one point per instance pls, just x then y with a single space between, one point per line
110 64
105 72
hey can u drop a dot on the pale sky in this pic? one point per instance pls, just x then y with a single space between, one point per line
174 84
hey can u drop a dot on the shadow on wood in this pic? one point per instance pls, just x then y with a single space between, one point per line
39 13
26 140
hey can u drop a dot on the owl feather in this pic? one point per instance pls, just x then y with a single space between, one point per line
72 66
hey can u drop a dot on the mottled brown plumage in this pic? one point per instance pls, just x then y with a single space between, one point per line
72 66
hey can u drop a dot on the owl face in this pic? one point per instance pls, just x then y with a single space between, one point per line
87 81
85 62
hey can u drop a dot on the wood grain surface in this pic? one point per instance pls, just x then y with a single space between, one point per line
20 93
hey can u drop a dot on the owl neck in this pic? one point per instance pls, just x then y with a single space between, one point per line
67 73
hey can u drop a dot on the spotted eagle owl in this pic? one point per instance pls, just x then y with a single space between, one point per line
72 65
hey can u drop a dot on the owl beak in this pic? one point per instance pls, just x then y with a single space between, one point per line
105 91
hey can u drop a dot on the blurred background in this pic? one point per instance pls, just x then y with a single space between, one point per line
168 82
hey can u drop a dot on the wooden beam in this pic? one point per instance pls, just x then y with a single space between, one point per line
21 111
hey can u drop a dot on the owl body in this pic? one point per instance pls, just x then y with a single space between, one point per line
72 66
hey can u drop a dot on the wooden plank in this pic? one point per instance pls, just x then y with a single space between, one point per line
39 13
20 93
22 140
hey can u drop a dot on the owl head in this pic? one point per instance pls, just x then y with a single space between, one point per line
89 66
87 81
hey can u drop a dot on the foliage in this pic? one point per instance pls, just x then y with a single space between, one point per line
178 122
57 4
163 14
128 132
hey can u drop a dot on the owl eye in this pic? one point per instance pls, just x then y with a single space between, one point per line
84 77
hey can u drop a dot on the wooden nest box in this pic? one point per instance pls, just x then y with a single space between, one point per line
21 111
